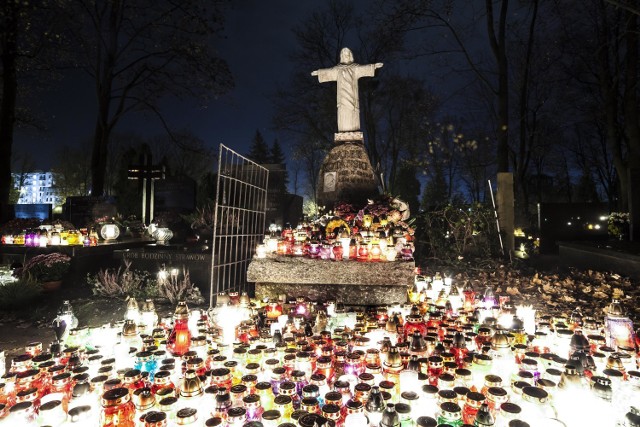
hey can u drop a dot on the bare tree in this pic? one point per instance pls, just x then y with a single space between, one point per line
139 51
72 173
601 39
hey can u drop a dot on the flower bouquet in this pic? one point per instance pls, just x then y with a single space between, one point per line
45 268
618 225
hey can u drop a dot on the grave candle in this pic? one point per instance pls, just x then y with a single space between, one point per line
180 338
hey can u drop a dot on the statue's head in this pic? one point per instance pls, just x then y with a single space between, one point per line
346 57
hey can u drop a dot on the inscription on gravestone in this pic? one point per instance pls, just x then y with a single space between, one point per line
197 264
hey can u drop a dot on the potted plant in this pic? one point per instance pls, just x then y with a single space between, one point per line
201 221
47 269
134 227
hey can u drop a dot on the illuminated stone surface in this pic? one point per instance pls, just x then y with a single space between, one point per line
350 282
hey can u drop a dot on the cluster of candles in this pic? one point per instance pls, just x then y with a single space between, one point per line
366 245
46 236
275 364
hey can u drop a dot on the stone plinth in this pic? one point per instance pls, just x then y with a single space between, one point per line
348 282
346 175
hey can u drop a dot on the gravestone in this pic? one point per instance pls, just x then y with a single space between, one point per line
346 175
571 222
176 194
82 210
42 211
153 259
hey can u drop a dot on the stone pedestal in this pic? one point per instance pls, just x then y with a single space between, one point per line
505 204
347 282
346 175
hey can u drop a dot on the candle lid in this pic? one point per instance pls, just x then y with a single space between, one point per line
116 396
476 397
282 399
271 415
143 399
155 418
450 409
430 389
79 414
448 395
403 408
237 412
497 392
510 408
186 416
50 405
21 407
534 394
425 421
217 421
309 420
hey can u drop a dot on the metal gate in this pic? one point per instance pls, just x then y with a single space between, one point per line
239 218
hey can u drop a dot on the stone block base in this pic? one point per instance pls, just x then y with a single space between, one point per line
349 137
345 294
347 282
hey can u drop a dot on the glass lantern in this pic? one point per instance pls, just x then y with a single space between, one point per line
109 232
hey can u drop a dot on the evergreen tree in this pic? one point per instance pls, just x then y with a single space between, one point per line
277 157
276 154
259 151
436 191
408 187
586 190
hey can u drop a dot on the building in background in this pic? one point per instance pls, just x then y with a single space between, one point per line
35 188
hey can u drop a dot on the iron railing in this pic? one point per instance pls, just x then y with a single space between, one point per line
239 219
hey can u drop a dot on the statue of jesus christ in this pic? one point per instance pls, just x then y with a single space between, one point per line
346 74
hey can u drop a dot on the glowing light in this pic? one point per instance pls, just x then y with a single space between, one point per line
505 320
409 381
132 313
261 251
528 315
489 298
391 254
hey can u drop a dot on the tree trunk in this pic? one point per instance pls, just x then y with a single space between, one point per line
632 128
609 91
8 107
105 65
99 160
499 49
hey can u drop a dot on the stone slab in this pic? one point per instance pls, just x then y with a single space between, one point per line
301 270
354 136
83 259
596 256
352 295
348 282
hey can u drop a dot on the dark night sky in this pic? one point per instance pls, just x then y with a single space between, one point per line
257 43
